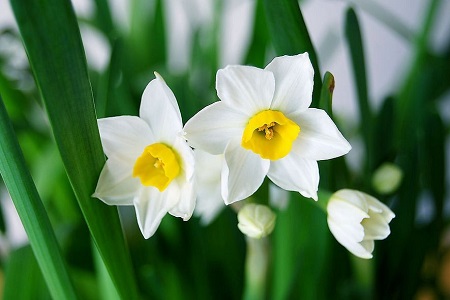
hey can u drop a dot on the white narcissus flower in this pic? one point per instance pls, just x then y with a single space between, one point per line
149 163
357 219
263 126
207 175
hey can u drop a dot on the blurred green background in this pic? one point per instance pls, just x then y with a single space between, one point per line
391 64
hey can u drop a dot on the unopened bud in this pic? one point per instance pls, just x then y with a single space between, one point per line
387 178
256 220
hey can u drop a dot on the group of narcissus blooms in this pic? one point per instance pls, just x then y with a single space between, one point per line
262 126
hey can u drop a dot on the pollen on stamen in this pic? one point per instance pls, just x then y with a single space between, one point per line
268 130
158 164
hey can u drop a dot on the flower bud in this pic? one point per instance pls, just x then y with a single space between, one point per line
387 178
256 221
357 219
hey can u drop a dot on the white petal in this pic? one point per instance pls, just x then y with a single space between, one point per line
351 197
375 227
209 199
247 89
346 211
243 172
214 126
186 204
186 156
116 185
185 180
385 211
349 239
319 137
160 110
151 206
294 173
278 198
124 136
293 82
346 233
209 202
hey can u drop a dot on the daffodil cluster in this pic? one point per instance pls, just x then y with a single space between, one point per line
261 126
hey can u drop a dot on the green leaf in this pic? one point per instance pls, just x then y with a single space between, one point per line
23 278
328 181
290 35
354 39
256 54
300 248
103 18
53 44
29 206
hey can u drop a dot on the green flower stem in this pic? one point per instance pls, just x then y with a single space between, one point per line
363 270
256 266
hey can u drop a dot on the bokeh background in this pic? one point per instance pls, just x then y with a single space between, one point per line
187 41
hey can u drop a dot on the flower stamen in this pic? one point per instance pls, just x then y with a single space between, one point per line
270 134
268 130
157 166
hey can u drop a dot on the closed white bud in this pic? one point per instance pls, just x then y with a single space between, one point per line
256 220
387 178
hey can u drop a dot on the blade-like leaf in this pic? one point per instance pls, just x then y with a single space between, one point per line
51 36
23 279
29 206
354 39
300 247
290 35
256 54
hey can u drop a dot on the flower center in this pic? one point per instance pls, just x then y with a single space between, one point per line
157 166
270 134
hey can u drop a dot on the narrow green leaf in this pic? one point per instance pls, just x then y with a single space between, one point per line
105 284
256 54
383 133
300 248
103 18
385 16
354 39
23 278
404 109
146 41
52 40
31 211
290 35
325 103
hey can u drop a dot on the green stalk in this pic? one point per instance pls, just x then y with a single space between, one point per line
256 267
31 211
